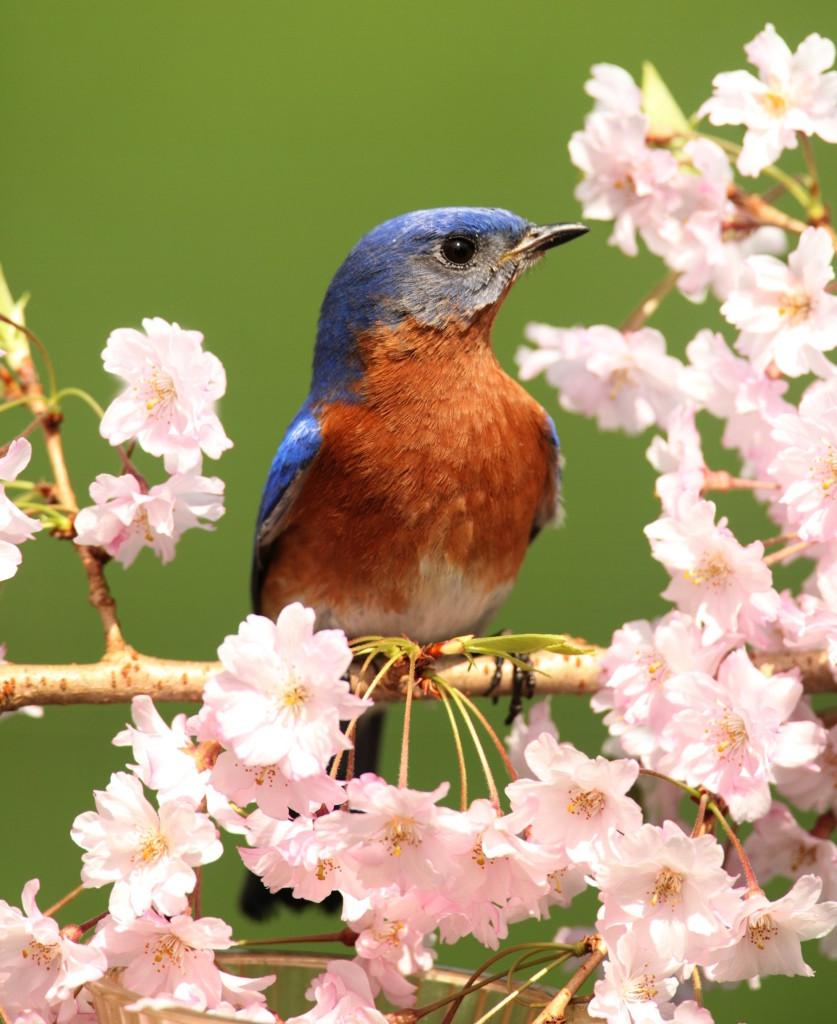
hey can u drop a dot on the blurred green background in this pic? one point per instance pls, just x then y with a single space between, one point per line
212 163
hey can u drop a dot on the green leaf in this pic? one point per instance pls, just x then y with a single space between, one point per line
15 343
664 115
525 643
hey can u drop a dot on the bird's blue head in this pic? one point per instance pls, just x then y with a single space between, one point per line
432 267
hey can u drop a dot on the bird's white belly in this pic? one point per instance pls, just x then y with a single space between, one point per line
443 602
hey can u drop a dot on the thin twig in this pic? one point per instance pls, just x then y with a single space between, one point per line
650 304
787 552
554 1010
68 898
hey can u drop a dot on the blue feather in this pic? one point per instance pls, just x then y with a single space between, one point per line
300 444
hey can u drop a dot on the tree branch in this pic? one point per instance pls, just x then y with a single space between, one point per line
124 673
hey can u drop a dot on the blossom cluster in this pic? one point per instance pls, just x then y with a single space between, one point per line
167 408
682 695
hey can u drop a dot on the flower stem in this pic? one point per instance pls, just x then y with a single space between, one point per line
787 552
404 764
460 753
68 898
749 874
521 988
463 710
88 399
554 1010
650 304
721 480
816 210
345 935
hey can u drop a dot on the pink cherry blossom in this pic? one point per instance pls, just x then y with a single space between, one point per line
281 697
673 886
341 995
806 463
40 968
527 727
642 657
795 92
626 381
169 403
729 733
391 943
575 803
731 389
690 1013
505 879
769 933
614 90
175 958
163 752
15 526
148 856
625 180
812 785
126 518
637 985
785 311
724 585
778 845
272 790
305 855
678 459
401 837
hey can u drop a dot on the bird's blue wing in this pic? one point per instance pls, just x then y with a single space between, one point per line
300 444
550 509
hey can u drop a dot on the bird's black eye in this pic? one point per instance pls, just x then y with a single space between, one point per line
459 249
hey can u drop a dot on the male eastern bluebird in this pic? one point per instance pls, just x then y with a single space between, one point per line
405 492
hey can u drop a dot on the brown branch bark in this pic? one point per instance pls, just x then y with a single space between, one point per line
124 673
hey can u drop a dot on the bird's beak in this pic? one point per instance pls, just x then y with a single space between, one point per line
539 238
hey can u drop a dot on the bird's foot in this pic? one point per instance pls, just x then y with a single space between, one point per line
523 683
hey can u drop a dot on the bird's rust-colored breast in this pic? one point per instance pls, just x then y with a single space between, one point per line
443 459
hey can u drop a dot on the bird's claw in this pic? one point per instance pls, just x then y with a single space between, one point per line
523 684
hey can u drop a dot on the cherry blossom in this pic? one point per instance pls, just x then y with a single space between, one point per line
340 995
527 727
795 92
729 733
673 887
148 856
41 968
163 751
614 90
401 837
176 958
637 985
769 933
391 943
778 845
637 666
625 180
678 459
806 463
785 311
724 585
169 403
626 381
272 790
305 855
813 785
281 697
126 518
15 526
731 389
574 802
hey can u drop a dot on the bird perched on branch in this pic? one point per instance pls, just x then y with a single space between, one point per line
404 494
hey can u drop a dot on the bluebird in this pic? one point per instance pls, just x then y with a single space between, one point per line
405 492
